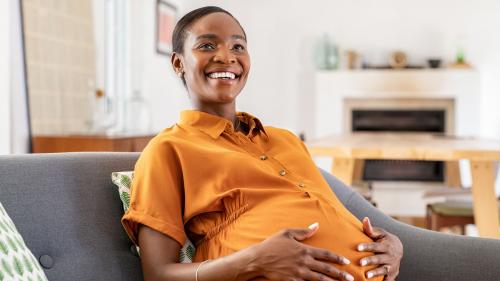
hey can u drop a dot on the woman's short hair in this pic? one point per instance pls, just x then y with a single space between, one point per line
180 31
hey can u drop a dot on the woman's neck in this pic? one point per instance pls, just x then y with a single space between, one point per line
227 111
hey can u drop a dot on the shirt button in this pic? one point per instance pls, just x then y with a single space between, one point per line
307 195
263 157
282 172
302 185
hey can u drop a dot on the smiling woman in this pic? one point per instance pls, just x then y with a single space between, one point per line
244 193
213 61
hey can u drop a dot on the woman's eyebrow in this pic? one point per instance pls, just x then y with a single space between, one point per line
239 37
206 36
213 36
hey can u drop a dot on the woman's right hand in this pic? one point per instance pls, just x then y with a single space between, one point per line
282 257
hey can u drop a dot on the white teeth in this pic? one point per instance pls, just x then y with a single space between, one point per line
216 75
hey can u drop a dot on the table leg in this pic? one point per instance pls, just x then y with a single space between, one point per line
359 168
343 169
452 174
485 205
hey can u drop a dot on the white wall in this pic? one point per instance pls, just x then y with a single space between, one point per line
282 34
19 130
152 73
4 79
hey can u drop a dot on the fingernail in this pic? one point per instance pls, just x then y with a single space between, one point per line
346 261
369 275
361 247
363 262
314 226
349 277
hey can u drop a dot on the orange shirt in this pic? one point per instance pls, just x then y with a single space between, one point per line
227 190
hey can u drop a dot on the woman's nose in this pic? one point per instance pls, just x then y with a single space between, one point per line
224 56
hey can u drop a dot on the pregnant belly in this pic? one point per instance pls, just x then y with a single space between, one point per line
339 231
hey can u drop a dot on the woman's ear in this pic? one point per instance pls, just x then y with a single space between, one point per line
176 61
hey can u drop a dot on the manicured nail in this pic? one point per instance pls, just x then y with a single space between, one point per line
369 275
361 247
314 226
363 262
346 261
349 277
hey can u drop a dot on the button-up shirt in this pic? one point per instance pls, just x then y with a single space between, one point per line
227 190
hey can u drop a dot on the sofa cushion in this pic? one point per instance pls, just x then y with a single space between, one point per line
65 208
123 180
16 260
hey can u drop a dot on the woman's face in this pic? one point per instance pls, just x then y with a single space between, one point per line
215 60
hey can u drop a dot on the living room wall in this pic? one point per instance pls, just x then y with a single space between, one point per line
151 73
282 34
4 79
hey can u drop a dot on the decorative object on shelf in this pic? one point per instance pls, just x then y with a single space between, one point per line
352 59
103 115
395 60
398 59
166 17
434 62
460 60
137 115
460 56
326 55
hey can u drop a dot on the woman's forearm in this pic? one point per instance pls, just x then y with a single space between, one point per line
239 266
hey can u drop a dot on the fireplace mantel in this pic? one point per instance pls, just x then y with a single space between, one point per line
334 87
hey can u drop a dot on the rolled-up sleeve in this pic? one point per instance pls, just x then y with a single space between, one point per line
157 194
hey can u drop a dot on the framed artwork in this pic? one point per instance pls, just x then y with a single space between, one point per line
166 16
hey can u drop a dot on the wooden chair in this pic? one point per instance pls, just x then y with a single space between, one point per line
450 213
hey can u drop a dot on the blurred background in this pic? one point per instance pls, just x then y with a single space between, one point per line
96 74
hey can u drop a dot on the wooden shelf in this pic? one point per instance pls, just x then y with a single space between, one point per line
78 143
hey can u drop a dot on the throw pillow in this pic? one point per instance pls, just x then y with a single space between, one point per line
123 180
16 260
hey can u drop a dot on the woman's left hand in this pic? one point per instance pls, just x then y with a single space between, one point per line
388 251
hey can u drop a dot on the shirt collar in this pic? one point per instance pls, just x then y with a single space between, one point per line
214 125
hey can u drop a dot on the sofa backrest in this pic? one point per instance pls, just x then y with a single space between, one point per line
68 211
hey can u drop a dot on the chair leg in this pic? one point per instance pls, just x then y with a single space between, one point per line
431 219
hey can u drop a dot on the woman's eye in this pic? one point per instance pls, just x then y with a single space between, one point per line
207 47
239 47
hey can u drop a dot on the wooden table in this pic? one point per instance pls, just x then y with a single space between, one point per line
77 143
347 150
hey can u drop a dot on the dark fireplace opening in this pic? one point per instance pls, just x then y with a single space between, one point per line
431 121
398 121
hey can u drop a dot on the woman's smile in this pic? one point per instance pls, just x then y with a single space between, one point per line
223 77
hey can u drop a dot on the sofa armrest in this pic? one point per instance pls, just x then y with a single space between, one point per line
428 255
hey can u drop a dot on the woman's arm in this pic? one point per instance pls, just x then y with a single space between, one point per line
280 257
159 259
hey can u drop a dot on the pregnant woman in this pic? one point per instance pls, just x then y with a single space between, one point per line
244 193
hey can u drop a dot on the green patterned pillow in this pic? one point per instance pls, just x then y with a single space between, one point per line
16 260
124 181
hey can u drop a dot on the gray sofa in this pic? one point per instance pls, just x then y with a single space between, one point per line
68 211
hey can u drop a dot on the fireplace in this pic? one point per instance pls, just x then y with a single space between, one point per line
431 121
337 93
400 116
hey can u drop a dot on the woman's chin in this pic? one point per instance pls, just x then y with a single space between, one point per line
226 98
224 95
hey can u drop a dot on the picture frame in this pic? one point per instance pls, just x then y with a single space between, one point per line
166 18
